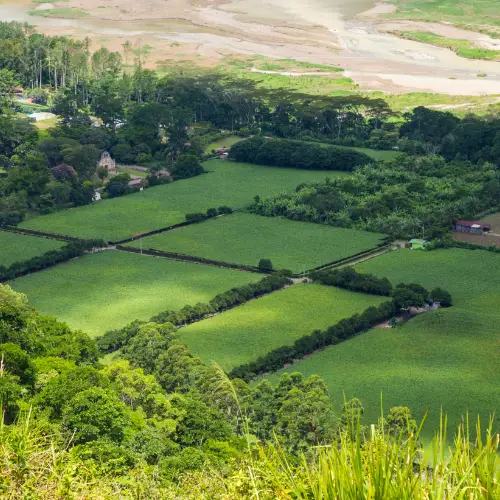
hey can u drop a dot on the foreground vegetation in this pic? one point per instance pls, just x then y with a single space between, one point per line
15 247
441 359
243 334
110 289
242 238
226 183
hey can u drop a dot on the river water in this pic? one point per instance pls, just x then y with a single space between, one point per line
356 45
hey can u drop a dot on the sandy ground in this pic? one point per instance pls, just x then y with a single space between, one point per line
205 32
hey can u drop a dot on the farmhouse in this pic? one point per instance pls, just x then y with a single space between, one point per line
472 227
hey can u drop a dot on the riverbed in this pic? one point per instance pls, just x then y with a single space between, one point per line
346 33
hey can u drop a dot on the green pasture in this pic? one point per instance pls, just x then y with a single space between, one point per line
253 329
15 247
377 154
226 183
461 12
110 289
463 48
243 238
226 142
130 171
442 359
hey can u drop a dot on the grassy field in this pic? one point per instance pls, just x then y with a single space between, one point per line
376 154
227 183
18 247
130 171
447 358
109 289
463 48
253 329
226 142
243 238
461 12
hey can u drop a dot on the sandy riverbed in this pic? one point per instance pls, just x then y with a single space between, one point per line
346 33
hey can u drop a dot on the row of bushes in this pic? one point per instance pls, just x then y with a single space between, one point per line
209 214
115 339
343 330
48 259
297 154
350 279
451 243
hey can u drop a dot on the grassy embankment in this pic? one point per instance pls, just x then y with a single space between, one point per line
243 238
463 48
109 289
253 329
226 183
476 15
226 142
18 247
442 359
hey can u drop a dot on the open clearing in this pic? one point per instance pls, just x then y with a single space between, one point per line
226 183
110 289
243 238
253 329
442 359
226 142
15 247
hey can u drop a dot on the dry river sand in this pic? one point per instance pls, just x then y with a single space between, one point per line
346 33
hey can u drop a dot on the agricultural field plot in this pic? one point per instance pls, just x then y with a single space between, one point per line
376 154
226 142
15 247
244 333
107 290
226 183
243 238
442 359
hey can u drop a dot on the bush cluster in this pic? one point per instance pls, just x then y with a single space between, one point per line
209 214
297 154
343 330
69 251
350 279
115 339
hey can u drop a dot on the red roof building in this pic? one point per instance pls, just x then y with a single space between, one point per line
472 226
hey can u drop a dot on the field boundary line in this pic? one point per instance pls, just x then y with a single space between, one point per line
41 234
189 258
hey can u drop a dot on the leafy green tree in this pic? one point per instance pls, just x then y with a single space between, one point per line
96 413
442 296
187 166
400 422
265 265
118 185
18 363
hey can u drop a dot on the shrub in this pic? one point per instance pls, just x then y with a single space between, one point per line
265 265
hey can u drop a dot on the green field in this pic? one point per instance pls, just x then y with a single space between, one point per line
109 289
470 13
130 171
243 238
376 154
463 48
246 332
15 247
446 358
226 142
226 183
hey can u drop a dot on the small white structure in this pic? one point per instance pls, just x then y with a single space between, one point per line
107 162
41 116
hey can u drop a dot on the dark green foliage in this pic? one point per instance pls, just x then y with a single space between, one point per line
118 185
297 154
195 217
405 296
350 279
187 166
265 265
441 296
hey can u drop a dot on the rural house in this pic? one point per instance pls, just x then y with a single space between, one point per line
472 227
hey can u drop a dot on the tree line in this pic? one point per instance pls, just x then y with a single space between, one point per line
69 251
297 154
115 339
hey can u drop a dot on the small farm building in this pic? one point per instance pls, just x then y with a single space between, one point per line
417 244
472 227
